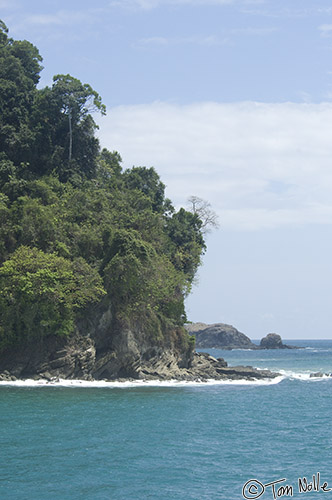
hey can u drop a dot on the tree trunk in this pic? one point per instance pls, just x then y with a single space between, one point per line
70 136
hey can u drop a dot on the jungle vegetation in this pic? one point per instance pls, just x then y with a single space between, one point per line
75 228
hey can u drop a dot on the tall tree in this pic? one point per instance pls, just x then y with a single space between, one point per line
19 74
64 130
78 101
203 209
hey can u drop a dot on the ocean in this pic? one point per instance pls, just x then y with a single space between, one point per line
181 441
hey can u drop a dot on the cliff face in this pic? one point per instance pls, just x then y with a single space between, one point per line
219 335
103 348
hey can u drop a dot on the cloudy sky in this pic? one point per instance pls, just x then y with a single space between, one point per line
231 101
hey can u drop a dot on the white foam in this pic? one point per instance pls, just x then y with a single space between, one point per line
135 383
303 375
317 349
237 349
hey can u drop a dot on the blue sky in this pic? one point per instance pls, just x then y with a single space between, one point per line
139 51
230 100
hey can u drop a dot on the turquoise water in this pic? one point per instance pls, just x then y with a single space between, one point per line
171 442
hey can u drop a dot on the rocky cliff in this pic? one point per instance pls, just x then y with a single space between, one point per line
104 348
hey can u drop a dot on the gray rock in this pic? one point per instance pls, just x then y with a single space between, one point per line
105 348
220 336
5 376
207 367
273 341
320 374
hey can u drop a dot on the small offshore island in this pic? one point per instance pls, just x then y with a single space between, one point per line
95 262
222 336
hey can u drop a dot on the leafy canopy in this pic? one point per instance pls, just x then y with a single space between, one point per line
39 294
74 228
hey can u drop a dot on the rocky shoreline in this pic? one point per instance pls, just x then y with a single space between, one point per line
105 348
204 367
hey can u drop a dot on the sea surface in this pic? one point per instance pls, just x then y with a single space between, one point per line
180 441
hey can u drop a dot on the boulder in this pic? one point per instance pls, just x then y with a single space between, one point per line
320 375
273 341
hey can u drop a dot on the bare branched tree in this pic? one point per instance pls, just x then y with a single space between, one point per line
204 211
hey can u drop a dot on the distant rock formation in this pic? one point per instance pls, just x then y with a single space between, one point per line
273 341
220 336
226 337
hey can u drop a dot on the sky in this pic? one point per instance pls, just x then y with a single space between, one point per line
230 101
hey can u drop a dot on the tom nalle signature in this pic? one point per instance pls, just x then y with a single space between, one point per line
255 489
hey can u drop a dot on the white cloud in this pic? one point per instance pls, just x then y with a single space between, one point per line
325 30
157 41
151 4
201 40
254 31
153 41
275 10
304 96
8 4
260 165
61 18
59 24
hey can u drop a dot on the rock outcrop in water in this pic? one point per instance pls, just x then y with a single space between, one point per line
226 337
320 375
273 341
220 336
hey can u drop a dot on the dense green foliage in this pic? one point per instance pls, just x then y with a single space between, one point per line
74 228
40 292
